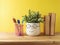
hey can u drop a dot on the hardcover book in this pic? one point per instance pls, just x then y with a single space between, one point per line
52 23
46 25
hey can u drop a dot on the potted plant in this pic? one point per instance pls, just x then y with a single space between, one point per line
32 20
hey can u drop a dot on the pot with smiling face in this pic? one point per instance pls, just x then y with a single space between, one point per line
33 29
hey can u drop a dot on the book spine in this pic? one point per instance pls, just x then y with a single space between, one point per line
52 23
47 25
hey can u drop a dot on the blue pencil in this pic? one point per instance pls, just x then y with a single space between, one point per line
18 21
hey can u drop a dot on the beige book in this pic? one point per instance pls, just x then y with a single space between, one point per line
52 23
47 25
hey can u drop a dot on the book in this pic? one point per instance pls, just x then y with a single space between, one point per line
52 23
47 25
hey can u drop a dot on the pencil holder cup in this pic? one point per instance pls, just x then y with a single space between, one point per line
19 29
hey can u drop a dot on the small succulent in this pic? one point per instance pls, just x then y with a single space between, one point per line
32 17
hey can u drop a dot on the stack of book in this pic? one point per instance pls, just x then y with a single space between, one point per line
49 24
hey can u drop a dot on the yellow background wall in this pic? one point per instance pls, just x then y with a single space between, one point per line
18 8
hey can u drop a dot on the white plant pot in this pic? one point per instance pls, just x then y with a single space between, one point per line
33 29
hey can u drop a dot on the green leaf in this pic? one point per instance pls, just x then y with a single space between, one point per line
33 17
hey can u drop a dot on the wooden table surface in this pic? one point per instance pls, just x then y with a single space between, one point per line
12 39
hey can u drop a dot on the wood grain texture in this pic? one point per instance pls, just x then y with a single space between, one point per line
12 39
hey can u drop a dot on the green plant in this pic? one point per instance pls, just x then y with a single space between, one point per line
32 17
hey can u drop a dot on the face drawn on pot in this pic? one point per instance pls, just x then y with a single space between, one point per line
28 26
32 26
31 31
